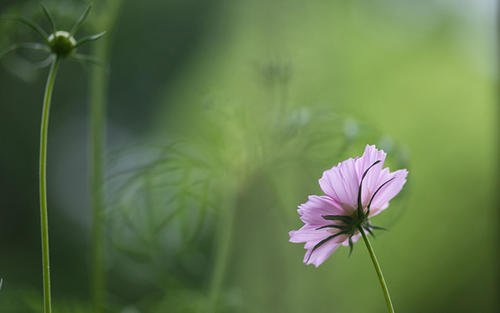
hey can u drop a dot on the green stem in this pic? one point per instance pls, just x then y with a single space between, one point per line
223 247
96 176
98 92
381 279
44 221
98 88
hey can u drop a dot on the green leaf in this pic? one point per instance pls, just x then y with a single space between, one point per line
49 17
31 25
81 19
360 205
369 231
84 40
343 218
26 45
351 245
322 242
331 226
377 227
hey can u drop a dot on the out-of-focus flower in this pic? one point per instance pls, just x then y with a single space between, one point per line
355 190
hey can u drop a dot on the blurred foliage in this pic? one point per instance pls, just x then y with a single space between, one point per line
222 116
174 196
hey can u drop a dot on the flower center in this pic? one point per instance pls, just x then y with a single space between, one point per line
62 43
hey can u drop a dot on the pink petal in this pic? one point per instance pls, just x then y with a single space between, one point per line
320 254
307 234
373 176
370 156
341 183
311 212
389 191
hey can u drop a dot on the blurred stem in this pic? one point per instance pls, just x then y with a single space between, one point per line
98 92
44 220
381 279
223 244
98 87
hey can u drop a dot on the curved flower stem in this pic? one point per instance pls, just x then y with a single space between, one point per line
44 222
381 279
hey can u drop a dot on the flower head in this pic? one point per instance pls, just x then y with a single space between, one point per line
58 43
354 190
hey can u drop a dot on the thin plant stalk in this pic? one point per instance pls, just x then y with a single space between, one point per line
98 86
223 247
381 279
44 221
98 93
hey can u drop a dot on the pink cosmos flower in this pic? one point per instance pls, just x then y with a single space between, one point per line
355 190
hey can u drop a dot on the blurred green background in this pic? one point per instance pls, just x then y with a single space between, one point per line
221 117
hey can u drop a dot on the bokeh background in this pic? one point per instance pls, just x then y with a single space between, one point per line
221 117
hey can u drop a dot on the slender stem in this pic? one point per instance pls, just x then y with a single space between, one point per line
44 221
381 279
223 247
98 93
98 87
